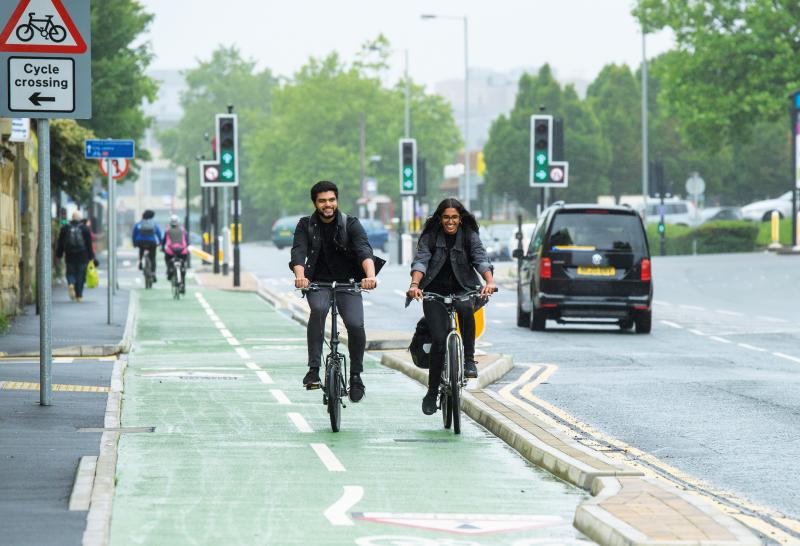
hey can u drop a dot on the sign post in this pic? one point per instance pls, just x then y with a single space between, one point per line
114 154
45 70
795 110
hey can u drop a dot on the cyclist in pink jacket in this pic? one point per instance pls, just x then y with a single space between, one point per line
176 247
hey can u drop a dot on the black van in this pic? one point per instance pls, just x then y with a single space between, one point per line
586 263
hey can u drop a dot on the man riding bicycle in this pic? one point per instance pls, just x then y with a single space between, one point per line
448 254
147 237
176 249
331 246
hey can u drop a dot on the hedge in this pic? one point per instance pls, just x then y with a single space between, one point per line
710 238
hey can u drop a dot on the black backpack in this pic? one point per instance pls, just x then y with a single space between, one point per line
147 228
75 243
421 342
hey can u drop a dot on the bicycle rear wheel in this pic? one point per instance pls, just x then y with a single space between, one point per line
333 386
455 355
447 413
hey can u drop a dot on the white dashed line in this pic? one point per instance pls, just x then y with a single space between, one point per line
751 347
242 353
233 341
697 332
367 303
672 324
772 319
730 313
219 325
328 458
400 293
664 303
337 513
264 377
720 339
787 357
692 307
225 332
253 366
300 423
281 397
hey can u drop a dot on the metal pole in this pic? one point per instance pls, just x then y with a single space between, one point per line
795 135
113 207
44 273
407 106
645 154
215 223
110 245
186 223
466 118
236 265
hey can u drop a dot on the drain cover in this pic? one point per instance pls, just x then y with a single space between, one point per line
193 376
119 429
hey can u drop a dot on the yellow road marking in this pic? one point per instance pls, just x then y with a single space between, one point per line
705 490
28 386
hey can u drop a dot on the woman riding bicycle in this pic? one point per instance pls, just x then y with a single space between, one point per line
449 253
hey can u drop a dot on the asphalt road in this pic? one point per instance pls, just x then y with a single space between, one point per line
711 392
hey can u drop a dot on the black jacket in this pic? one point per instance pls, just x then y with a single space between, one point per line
61 245
307 244
466 257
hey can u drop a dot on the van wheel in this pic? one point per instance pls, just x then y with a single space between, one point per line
279 247
523 318
625 324
644 322
537 322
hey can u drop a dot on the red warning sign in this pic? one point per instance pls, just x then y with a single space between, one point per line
119 168
41 26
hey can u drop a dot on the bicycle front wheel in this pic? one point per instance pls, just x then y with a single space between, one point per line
57 33
454 362
333 384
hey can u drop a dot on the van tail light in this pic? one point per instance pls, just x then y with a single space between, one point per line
545 268
647 274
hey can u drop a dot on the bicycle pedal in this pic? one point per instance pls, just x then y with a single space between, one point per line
313 386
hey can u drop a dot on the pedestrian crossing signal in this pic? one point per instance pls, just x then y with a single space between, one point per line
227 149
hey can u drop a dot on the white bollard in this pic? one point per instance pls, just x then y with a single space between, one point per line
405 240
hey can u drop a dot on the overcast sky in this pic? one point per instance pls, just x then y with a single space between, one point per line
577 37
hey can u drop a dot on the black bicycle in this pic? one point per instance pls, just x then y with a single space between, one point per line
453 379
147 270
49 30
178 265
334 387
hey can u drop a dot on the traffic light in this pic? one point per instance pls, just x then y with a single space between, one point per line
408 166
227 149
422 177
542 144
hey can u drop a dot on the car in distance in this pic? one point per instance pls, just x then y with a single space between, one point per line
717 214
495 238
283 231
377 234
586 263
676 211
761 211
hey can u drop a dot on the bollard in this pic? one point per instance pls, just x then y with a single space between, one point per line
775 218
796 247
405 244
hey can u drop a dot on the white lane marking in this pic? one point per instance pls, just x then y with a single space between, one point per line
328 458
281 397
337 513
367 303
495 321
697 332
253 366
664 303
772 319
300 423
720 339
730 313
242 353
504 304
219 325
672 324
225 332
264 377
692 307
400 293
233 341
63 360
787 357
751 347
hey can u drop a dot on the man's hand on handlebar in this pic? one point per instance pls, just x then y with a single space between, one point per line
414 293
488 289
369 283
301 282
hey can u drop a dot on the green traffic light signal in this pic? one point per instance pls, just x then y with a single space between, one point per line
662 228
227 141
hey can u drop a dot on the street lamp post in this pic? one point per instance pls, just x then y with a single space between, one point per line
466 100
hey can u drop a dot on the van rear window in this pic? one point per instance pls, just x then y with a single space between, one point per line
584 231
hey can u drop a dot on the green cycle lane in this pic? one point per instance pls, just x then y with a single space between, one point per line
242 454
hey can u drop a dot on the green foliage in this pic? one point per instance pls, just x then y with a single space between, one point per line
119 83
507 150
5 323
765 233
737 62
69 170
314 130
710 238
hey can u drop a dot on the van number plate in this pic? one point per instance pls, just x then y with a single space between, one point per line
597 271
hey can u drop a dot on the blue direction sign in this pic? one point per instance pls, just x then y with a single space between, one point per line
114 149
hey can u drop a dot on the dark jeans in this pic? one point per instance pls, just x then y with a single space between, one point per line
351 309
439 323
76 275
151 251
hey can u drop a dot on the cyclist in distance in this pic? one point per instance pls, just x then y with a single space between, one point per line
176 248
147 237
331 246
449 253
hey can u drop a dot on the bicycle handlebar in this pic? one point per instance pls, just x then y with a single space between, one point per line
352 286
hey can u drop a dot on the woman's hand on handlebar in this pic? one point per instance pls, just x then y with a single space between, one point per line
414 293
369 283
301 283
488 289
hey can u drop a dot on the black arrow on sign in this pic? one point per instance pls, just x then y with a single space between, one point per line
37 99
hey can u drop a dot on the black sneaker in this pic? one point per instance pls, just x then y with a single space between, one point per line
311 381
429 402
357 389
140 266
470 369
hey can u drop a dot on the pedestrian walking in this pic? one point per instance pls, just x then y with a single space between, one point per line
75 245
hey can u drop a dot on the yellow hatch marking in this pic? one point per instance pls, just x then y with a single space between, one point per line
28 386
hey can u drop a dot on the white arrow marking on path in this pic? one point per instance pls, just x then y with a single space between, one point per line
337 513
327 457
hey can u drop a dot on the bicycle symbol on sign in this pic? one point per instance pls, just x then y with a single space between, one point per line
49 31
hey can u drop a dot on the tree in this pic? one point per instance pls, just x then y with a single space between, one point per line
119 83
738 61
69 170
507 151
